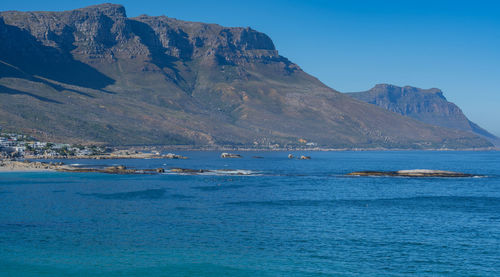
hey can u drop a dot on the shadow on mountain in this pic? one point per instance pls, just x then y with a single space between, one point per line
7 70
158 56
6 90
22 50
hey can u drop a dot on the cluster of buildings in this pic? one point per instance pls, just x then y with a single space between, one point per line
18 146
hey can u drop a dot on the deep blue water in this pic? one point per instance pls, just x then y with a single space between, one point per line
289 218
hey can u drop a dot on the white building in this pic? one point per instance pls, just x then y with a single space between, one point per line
19 149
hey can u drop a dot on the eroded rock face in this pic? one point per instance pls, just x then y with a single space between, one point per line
188 40
104 32
92 30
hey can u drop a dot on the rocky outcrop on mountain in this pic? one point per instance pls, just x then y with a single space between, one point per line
426 105
95 75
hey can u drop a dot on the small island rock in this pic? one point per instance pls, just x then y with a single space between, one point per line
230 155
412 173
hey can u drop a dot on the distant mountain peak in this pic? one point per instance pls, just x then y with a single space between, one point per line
406 88
383 86
113 10
426 105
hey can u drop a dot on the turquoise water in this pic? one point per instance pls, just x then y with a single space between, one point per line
286 218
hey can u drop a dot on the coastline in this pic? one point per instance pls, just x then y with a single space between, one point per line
315 149
44 166
29 164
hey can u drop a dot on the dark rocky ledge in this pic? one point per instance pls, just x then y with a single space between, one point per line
187 170
412 173
9 165
112 170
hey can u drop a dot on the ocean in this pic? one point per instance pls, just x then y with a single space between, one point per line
268 216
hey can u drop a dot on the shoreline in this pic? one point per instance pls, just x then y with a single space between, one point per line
317 149
145 155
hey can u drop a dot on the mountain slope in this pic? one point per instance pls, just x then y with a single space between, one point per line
426 105
92 74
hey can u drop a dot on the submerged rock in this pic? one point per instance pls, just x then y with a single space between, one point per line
412 173
187 170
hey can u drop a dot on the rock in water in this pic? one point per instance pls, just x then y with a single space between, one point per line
187 170
230 155
174 156
412 173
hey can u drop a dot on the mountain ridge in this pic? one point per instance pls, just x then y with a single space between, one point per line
95 75
426 105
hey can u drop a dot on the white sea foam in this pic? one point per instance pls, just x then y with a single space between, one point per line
233 172
219 172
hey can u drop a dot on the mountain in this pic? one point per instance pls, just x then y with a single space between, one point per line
94 75
426 105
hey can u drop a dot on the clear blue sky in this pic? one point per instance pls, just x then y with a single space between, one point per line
353 45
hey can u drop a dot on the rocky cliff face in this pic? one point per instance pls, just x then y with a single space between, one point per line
426 105
93 74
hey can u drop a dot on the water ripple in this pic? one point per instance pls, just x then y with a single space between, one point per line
131 195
